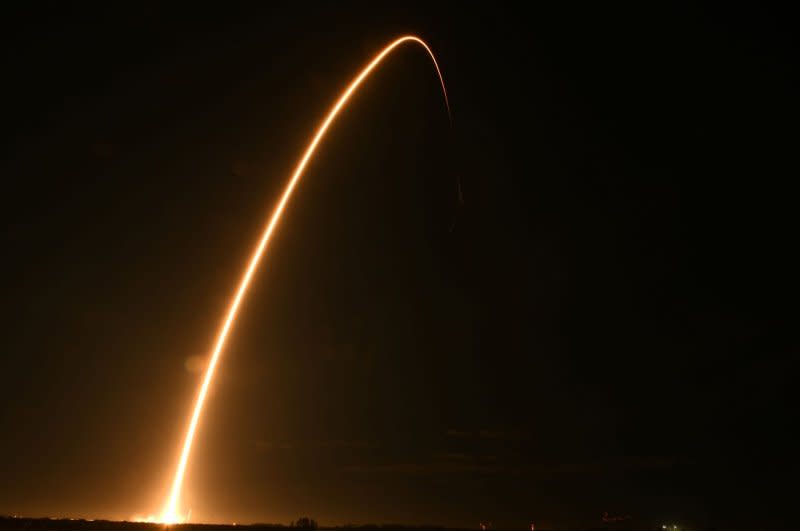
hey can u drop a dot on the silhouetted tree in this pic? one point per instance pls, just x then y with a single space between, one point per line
305 523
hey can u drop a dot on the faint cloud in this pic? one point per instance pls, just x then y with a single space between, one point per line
343 352
447 463
609 466
456 456
312 444
242 168
459 433
652 462
103 149
501 435
269 446
455 463
195 364
431 468
341 443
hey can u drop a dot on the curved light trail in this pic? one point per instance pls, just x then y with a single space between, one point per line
171 513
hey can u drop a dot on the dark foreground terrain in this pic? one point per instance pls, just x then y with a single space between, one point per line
49 524
52 524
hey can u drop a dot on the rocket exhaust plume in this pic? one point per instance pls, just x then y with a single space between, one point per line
171 513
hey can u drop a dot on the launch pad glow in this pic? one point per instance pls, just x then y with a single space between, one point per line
172 513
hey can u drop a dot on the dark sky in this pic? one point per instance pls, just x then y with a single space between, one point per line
611 324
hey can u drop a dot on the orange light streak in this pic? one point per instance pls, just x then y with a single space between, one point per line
171 512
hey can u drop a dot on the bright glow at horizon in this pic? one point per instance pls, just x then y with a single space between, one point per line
171 513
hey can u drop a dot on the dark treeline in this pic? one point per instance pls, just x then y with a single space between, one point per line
8 523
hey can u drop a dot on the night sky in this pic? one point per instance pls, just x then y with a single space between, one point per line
606 322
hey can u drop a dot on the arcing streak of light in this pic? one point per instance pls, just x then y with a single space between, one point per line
171 513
